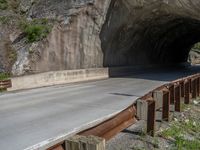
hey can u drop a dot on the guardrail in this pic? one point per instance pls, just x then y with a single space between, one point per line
166 100
4 84
157 105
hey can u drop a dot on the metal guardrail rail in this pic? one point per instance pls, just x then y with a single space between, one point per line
165 99
4 84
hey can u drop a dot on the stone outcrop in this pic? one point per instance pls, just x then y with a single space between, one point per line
194 56
74 43
97 33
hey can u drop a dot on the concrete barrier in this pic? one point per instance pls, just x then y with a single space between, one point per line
57 77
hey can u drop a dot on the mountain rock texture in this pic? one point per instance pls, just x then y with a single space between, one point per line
95 33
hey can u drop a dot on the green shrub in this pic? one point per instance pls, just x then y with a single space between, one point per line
35 30
181 128
4 76
4 20
3 4
197 46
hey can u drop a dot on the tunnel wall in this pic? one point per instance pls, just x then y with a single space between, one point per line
149 31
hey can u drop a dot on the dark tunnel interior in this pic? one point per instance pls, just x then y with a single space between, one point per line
146 35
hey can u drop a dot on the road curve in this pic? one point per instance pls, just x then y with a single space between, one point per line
33 116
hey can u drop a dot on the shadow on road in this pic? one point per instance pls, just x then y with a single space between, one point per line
166 74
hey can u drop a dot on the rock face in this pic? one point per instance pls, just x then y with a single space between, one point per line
194 57
75 42
97 33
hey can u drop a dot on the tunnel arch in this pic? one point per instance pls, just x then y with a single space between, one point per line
149 32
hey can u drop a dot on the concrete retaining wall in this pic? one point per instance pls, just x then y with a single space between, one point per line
57 77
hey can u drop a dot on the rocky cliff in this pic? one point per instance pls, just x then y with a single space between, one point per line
44 35
73 42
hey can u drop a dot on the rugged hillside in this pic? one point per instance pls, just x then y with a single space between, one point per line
44 35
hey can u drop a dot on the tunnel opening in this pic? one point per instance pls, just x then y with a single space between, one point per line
194 54
149 33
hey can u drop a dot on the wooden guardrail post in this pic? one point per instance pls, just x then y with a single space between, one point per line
187 92
182 86
78 142
193 88
177 97
162 103
190 85
4 84
197 85
171 89
151 117
166 105
146 111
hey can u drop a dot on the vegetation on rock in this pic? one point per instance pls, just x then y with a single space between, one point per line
6 4
3 4
197 46
4 76
36 29
4 20
184 131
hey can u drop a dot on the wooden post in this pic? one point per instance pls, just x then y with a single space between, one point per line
151 118
146 112
190 85
171 89
193 89
187 92
85 143
58 148
73 143
177 98
162 103
198 87
198 84
182 86
166 106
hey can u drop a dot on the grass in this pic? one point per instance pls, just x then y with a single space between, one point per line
4 20
14 4
9 4
35 30
184 133
177 132
184 106
3 4
4 76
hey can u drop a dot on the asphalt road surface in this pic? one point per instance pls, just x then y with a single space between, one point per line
34 116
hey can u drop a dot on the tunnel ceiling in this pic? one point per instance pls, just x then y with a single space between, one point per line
149 31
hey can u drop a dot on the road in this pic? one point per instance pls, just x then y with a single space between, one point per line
34 116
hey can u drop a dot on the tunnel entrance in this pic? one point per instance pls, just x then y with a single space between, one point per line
194 55
141 33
